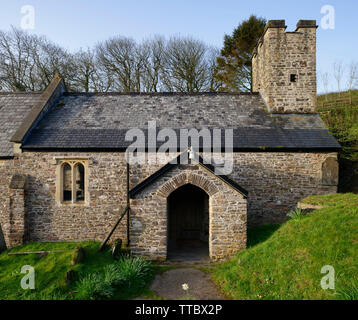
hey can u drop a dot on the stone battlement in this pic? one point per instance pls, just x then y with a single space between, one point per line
284 67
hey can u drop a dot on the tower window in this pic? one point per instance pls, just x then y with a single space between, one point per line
293 77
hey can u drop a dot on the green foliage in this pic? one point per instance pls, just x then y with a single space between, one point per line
92 286
339 200
134 271
295 214
126 274
112 275
260 234
50 270
234 65
340 113
349 292
98 276
56 294
287 263
78 255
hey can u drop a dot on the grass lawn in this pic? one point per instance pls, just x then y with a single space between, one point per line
281 262
50 272
284 262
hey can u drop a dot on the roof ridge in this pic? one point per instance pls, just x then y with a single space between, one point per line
161 93
3 93
53 91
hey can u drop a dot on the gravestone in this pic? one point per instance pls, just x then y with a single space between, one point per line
2 241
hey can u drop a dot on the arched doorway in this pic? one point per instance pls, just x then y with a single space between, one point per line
188 224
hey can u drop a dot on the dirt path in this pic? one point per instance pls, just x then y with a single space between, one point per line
169 285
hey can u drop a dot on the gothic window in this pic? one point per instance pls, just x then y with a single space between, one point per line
67 182
80 182
71 182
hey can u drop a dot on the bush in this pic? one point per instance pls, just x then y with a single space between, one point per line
125 274
112 275
342 122
134 271
295 214
92 286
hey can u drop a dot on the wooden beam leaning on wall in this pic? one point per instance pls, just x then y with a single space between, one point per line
104 242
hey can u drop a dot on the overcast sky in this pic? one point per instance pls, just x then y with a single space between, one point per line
76 24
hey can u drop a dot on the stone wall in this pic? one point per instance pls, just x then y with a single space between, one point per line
6 170
48 221
17 210
281 54
275 182
16 232
227 213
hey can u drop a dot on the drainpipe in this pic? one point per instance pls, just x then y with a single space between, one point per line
128 200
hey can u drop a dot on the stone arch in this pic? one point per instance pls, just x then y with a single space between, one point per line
187 178
226 208
188 223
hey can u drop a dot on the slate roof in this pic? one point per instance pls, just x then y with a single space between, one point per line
13 109
100 121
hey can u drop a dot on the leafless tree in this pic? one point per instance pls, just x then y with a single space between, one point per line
352 75
338 71
84 62
211 56
185 66
153 50
122 59
16 68
52 59
324 76
89 75
29 62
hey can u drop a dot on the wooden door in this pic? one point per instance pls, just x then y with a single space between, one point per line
186 213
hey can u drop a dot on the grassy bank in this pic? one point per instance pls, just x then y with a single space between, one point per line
339 111
97 276
284 262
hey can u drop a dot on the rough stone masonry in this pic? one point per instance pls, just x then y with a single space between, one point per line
63 168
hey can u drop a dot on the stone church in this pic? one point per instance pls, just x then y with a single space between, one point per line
63 169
